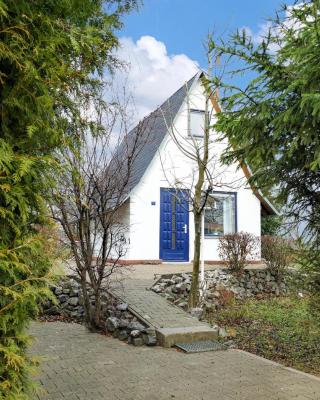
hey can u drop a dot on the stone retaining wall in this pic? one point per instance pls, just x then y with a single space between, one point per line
221 283
119 321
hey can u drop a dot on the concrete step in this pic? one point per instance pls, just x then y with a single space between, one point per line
168 337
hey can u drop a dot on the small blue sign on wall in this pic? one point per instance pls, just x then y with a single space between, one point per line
153 203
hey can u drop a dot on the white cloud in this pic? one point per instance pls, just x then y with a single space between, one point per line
262 32
258 36
152 74
289 22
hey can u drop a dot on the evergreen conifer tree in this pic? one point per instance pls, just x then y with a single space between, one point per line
273 120
53 54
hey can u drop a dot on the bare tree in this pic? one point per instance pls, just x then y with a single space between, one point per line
88 201
207 173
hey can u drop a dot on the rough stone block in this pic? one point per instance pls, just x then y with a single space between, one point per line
137 341
150 330
73 301
149 340
58 290
135 325
123 323
122 335
196 312
122 307
135 333
112 324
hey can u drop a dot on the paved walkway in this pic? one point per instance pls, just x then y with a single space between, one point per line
78 365
133 287
172 324
153 308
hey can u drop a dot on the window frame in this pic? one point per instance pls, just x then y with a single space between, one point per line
197 111
212 236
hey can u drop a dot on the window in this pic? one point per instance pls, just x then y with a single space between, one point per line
197 123
220 214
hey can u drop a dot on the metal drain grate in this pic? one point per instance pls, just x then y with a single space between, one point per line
198 347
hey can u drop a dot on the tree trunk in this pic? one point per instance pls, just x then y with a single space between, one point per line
97 310
198 207
87 304
194 291
92 313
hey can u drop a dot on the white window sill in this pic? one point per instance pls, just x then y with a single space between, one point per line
212 236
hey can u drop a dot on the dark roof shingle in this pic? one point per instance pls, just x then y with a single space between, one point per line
153 130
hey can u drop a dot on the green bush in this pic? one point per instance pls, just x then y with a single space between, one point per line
308 276
236 249
23 286
278 254
53 54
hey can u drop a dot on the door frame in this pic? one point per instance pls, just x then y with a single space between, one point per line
187 239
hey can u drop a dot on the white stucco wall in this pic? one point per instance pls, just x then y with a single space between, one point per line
170 164
121 231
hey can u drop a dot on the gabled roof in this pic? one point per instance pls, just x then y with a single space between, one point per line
155 128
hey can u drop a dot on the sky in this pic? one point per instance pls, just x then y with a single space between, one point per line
163 41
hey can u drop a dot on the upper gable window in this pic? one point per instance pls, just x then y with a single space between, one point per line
197 123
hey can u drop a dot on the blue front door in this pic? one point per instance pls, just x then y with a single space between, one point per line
174 225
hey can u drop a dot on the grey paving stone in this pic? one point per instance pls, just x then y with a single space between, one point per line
160 314
84 365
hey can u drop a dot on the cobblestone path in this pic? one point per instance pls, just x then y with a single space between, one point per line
77 365
153 308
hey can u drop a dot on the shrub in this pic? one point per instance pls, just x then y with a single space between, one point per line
49 52
236 249
308 276
23 288
227 297
277 253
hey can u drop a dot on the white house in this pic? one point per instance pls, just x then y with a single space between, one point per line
160 226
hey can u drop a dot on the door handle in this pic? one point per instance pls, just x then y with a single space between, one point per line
185 227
